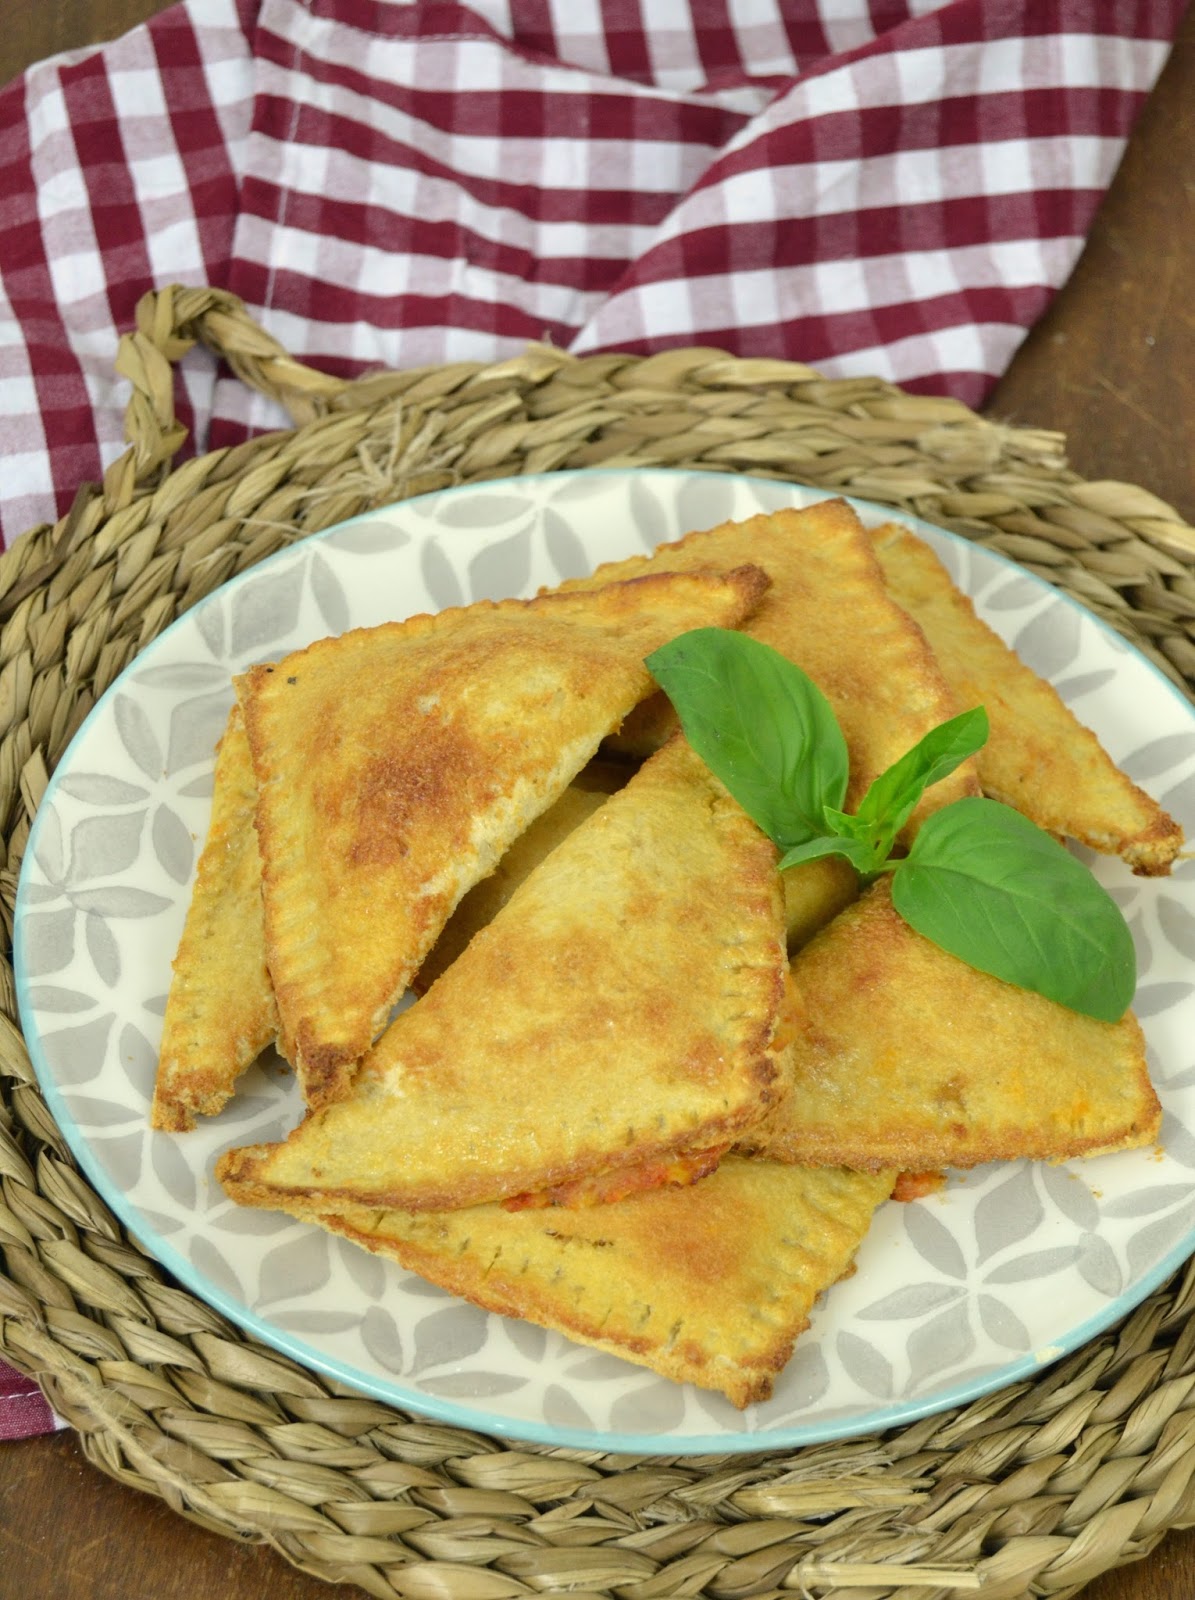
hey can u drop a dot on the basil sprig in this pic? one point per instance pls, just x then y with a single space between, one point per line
980 880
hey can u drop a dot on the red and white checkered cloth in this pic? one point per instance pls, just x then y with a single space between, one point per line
868 186
894 187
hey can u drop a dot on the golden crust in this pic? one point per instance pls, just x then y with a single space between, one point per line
1039 757
485 899
709 1284
814 893
220 1013
905 1056
619 1008
828 611
395 764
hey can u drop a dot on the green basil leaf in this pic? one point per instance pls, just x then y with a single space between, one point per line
860 854
760 724
869 850
847 824
890 799
984 883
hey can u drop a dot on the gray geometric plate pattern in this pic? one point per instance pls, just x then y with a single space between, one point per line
972 1288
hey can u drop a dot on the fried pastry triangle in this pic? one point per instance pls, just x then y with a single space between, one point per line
904 1056
828 611
813 893
1039 757
220 1013
619 1008
395 764
709 1284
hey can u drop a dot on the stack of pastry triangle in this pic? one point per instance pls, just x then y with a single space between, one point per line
619 1011
614 1011
391 767
633 983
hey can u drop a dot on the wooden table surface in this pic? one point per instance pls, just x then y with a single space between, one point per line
1112 366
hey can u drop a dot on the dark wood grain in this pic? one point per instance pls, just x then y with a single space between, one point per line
1112 366
34 29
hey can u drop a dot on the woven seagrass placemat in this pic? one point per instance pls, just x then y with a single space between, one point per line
1035 1489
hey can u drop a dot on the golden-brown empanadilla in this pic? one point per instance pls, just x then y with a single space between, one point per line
395 764
220 1012
1039 757
828 611
618 1009
905 1056
709 1284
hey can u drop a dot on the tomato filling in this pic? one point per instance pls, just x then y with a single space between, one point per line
601 1188
916 1185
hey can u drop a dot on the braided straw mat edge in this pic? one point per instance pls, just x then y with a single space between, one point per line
1036 1489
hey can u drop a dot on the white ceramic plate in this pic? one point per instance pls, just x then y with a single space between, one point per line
955 1295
